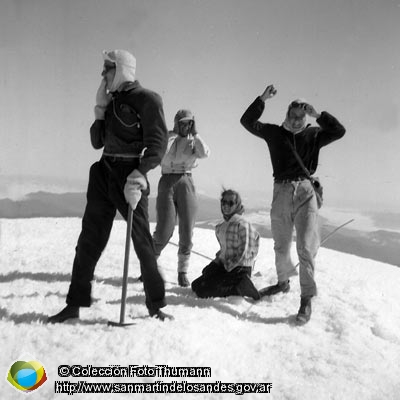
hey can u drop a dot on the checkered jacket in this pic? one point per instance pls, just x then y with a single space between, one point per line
239 242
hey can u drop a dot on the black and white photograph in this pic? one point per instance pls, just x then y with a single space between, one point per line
200 199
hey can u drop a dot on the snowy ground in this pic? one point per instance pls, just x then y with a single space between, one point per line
350 348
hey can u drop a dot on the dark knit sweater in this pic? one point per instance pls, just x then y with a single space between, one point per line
307 143
119 133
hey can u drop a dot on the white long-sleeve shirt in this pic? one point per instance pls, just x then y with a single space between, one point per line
182 153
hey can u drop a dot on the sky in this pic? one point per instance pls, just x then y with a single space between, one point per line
349 349
213 57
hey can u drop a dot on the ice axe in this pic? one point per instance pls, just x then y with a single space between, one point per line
125 275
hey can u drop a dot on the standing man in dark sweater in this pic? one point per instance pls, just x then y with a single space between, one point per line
130 127
294 203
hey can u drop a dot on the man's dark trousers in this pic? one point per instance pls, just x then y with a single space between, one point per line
104 197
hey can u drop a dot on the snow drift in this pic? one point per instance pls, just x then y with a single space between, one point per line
350 348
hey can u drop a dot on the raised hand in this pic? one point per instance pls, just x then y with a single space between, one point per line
269 92
310 110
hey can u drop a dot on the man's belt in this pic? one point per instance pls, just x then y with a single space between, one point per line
121 157
177 174
289 180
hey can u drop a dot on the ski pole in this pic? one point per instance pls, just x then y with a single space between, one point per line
330 234
126 268
193 251
335 230
322 241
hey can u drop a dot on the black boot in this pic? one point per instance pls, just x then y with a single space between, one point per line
246 288
158 314
280 287
304 314
68 312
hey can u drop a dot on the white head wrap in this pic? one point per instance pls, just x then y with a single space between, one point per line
125 70
286 123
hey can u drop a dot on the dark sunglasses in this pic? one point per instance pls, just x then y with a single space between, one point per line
230 203
296 104
185 123
108 67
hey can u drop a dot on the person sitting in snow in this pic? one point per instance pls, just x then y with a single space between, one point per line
229 273
130 126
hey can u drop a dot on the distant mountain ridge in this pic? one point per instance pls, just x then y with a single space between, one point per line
45 204
381 245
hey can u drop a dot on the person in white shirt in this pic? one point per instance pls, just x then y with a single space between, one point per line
176 191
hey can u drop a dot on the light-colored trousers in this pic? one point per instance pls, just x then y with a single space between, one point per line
294 206
176 198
